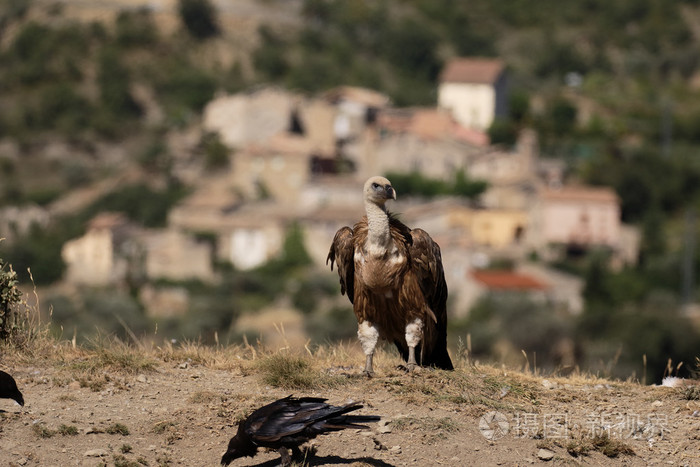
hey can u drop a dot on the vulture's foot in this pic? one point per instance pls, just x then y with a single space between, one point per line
369 366
409 368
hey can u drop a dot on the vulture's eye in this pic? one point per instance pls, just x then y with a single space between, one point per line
375 185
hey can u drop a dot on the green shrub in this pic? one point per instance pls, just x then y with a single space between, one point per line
216 153
270 57
140 203
416 184
113 80
136 28
199 17
185 88
10 297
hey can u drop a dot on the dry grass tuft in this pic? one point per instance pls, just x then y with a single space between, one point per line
67 430
161 427
117 429
222 358
433 424
42 431
690 392
602 443
122 461
287 371
204 397
473 388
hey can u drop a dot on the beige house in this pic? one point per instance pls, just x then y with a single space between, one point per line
112 250
94 259
511 174
498 228
249 117
278 169
253 234
173 255
418 139
204 210
583 216
356 108
259 115
474 91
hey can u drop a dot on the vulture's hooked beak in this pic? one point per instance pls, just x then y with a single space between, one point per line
390 193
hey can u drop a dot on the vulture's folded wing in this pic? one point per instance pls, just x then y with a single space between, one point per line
427 261
342 253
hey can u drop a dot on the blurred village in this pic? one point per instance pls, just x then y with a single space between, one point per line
303 160
262 177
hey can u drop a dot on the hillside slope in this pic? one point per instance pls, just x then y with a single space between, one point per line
179 406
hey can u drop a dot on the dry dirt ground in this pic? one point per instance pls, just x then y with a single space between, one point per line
131 408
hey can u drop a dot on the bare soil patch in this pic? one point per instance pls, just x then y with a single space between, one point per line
129 408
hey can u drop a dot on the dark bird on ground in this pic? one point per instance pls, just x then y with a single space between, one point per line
8 388
288 423
394 278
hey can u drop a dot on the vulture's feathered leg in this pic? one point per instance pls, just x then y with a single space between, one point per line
414 334
369 336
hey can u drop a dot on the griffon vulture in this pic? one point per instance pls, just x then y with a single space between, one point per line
290 422
394 278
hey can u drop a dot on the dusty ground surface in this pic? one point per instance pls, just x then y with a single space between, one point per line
182 411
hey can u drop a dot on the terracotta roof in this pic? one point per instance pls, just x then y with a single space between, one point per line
597 194
472 70
507 280
429 124
108 220
364 96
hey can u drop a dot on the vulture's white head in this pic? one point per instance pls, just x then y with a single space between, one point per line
378 190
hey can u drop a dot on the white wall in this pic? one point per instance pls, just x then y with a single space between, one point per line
472 105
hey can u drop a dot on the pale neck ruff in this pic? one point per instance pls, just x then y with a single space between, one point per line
379 235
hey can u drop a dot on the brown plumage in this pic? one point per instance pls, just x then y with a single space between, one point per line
394 278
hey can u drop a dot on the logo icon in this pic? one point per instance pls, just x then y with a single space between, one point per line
493 425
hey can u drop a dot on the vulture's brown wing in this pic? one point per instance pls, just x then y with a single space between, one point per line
427 264
342 252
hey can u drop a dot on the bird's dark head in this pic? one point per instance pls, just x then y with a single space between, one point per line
237 448
378 190
9 389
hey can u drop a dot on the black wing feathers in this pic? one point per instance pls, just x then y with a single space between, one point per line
298 420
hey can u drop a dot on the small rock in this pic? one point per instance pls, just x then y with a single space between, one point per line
23 461
548 384
378 445
96 453
74 385
545 455
657 403
184 366
382 426
395 449
142 378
